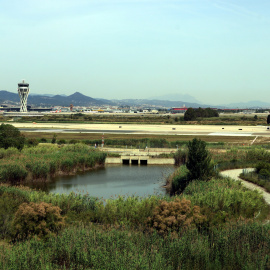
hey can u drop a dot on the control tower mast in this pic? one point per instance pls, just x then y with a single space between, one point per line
23 91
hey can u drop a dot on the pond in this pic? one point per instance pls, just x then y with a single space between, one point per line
112 181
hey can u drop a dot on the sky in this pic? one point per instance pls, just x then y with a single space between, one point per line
216 51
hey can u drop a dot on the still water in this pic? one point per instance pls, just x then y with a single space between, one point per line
114 180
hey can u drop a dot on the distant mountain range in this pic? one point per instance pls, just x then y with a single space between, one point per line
157 103
250 104
78 99
176 96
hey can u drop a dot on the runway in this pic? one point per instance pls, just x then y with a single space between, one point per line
203 130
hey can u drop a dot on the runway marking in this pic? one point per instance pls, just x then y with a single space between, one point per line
229 134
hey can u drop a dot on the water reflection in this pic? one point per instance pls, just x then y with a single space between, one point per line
113 180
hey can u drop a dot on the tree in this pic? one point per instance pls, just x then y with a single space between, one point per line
11 137
199 161
190 114
54 138
268 119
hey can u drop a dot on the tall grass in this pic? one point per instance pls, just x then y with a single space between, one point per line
67 202
227 196
131 211
242 246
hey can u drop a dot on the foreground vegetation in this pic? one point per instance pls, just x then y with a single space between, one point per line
219 227
242 246
209 223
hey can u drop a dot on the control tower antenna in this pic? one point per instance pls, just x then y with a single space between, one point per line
23 91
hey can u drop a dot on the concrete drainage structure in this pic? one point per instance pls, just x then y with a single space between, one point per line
139 160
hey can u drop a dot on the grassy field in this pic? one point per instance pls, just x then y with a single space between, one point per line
97 136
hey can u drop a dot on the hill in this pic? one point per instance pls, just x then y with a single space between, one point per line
77 99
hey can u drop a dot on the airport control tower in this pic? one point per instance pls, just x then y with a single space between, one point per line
23 90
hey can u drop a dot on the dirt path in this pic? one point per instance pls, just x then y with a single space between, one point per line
234 174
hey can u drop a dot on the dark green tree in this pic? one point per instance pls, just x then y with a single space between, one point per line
190 114
199 161
10 136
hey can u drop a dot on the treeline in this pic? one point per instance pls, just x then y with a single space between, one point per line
192 114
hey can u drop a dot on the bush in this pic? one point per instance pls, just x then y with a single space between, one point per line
11 137
262 166
175 216
62 141
73 141
32 142
40 219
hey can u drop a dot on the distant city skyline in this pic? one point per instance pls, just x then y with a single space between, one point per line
215 51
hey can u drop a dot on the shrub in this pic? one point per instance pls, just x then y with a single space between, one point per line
73 141
11 137
175 216
32 142
262 166
40 219
43 140
62 141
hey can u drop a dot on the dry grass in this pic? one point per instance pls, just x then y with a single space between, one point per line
94 136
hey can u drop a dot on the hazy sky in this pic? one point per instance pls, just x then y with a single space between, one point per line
216 51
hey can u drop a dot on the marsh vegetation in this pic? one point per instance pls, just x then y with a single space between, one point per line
210 223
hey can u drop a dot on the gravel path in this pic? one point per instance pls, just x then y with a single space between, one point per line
234 174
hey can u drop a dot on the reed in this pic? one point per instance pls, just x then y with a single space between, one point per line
239 246
41 162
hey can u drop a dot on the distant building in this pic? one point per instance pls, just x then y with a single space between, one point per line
179 110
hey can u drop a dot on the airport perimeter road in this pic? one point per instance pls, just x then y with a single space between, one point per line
209 130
